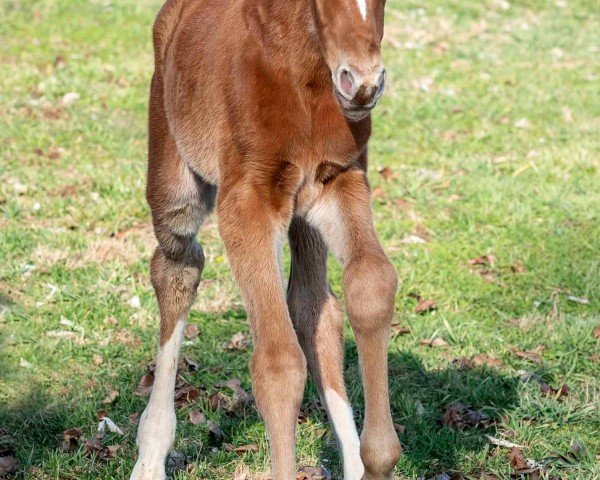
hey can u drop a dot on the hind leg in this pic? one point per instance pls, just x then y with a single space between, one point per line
319 323
180 202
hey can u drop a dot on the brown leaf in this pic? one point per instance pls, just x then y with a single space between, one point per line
403 205
377 192
547 390
95 449
386 173
485 359
60 61
597 332
518 267
219 401
191 331
100 414
516 459
239 341
134 417
485 260
251 448
187 362
186 395
425 306
398 329
421 231
8 465
399 428
477 361
215 433
459 415
436 342
111 397
110 321
464 363
70 439
235 384
145 384
534 355
313 473
197 418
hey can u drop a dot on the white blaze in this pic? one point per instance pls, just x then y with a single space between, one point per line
362 7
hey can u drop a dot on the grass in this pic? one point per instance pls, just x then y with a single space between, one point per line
489 129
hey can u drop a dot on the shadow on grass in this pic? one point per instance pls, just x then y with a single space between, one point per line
419 399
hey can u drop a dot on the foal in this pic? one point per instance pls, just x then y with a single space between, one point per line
269 100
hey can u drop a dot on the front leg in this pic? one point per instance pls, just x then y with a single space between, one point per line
252 223
343 216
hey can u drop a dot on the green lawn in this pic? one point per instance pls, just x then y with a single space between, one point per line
486 144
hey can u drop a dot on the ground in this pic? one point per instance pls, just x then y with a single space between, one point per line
485 168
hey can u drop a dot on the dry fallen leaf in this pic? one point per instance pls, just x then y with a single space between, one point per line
111 397
386 173
425 306
239 341
145 384
191 331
399 428
377 192
70 439
436 342
519 463
185 395
251 448
485 260
534 355
313 473
421 231
478 361
518 267
95 449
188 363
485 359
8 464
398 329
459 415
197 418
554 392
215 433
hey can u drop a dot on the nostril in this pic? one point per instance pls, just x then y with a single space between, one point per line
347 82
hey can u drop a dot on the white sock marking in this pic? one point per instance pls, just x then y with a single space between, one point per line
158 422
342 420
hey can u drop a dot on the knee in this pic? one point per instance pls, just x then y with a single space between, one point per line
178 275
278 370
370 287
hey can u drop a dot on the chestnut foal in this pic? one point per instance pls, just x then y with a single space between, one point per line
269 100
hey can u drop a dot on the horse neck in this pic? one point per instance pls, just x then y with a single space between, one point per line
292 36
